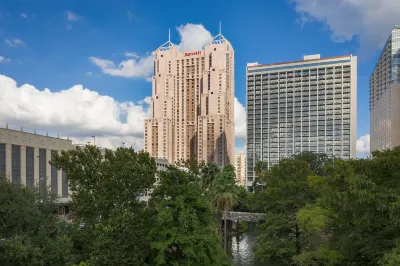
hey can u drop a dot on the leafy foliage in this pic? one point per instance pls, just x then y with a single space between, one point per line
358 203
183 230
286 192
30 233
106 200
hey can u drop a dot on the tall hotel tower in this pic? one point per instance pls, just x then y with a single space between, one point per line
191 110
385 96
307 105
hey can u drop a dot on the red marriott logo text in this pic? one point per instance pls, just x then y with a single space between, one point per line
193 53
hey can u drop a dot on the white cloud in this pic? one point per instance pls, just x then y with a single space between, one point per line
3 59
89 73
131 16
25 16
193 37
14 42
71 16
363 144
146 100
110 142
92 114
133 55
240 120
140 67
370 20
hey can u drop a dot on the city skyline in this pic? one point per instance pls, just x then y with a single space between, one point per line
60 46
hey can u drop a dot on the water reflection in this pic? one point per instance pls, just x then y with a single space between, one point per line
242 248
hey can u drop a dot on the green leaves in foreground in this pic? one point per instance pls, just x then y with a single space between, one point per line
353 217
29 232
183 230
105 198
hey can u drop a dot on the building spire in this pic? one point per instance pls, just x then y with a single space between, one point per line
169 35
220 28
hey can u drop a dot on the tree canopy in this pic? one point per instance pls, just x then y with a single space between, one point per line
30 233
323 211
105 199
184 231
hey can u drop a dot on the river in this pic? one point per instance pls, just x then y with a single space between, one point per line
242 248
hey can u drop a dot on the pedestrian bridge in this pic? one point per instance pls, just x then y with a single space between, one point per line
245 216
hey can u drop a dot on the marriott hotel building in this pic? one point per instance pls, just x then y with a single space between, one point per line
306 105
191 110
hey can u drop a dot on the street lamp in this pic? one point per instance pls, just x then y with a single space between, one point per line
123 144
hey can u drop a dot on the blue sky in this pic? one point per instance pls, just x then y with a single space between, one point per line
61 44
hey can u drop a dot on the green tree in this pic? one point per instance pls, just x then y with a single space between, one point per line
30 232
225 195
286 192
105 199
355 220
259 181
209 173
183 229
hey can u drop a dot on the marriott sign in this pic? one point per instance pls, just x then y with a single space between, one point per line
193 53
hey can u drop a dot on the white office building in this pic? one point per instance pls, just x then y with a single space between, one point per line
306 105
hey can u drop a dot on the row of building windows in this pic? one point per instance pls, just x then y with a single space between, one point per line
16 167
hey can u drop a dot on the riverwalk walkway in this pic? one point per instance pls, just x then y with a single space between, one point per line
245 216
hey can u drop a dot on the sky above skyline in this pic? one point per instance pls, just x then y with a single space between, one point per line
82 68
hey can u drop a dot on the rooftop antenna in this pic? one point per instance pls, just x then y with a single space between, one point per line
169 35
220 28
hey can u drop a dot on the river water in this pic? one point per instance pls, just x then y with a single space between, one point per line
242 248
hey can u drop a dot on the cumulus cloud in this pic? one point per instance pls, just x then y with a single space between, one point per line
77 112
110 142
138 67
71 16
193 37
25 16
3 59
133 55
89 73
240 120
370 20
363 144
14 42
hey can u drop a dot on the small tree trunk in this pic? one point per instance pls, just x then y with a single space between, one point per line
225 230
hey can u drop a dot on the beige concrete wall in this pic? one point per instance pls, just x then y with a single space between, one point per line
14 137
182 93
240 168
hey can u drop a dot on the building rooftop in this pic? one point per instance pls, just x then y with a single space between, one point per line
306 59
34 133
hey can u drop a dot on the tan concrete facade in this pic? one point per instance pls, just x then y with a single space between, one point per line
240 169
385 96
191 111
24 159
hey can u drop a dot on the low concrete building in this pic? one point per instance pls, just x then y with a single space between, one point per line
240 169
161 166
25 157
